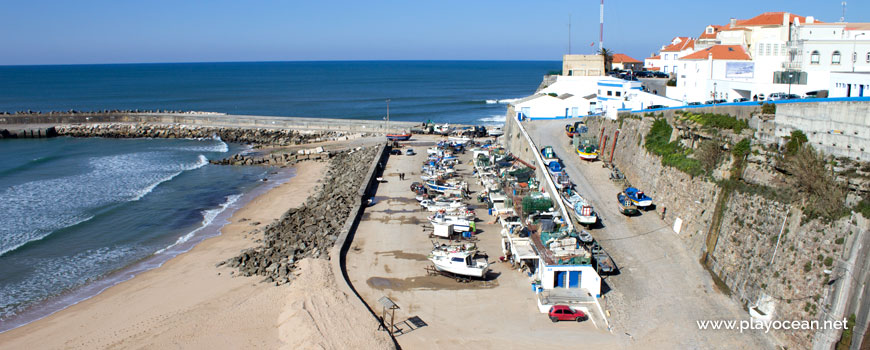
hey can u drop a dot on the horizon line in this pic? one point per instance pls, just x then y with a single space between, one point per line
271 61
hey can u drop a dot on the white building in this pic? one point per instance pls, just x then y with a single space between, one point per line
821 56
577 96
625 62
746 59
667 59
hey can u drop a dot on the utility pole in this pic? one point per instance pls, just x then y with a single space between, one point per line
601 28
569 33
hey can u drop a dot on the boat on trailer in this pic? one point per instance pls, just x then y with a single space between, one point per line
460 260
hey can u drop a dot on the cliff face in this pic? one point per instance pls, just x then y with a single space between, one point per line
793 285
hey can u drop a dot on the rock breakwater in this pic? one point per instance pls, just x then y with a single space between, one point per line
255 136
312 229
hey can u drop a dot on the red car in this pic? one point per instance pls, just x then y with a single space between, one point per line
565 313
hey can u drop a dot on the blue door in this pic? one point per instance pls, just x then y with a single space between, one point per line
573 279
559 279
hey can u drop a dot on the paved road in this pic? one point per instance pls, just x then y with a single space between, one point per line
655 85
662 289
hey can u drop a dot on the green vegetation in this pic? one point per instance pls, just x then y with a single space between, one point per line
829 261
717 121
795 141
709 154
673 153
846 338
839 240
553 94
671 82
768 108
863 207
808 266
824 196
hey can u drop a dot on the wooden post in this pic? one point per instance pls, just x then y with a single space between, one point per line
613 149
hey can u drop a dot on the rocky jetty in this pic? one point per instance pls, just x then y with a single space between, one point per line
312 229
275 159
256 136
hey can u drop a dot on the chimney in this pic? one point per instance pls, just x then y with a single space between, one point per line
785 17
811 20
733 22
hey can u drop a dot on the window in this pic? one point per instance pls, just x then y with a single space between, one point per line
868 57
618 93
709 30
665 69
775 49
609 93
814 57
674 70
782 50
767 49
835 58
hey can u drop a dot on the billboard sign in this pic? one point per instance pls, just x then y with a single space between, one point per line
739 70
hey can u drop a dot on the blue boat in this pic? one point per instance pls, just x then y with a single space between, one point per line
638 198
626 207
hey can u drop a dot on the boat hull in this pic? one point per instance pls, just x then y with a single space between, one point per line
398 137
462 271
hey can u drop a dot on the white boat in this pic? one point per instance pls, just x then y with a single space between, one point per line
458 140
495 132
466 214
459 224
442 129
459 260
431 205
440 186
581 208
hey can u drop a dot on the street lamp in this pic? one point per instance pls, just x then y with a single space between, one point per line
790 75
855 53
714 90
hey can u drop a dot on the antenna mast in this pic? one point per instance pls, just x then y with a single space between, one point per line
601 29
842 19
569 33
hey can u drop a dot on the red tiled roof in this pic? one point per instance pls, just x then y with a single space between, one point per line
656 57
652 68
720 52
623 58
686 43
716 28
770 18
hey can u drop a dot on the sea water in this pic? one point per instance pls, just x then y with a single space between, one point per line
466 92
78 215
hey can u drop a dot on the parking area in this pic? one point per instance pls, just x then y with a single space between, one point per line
389 257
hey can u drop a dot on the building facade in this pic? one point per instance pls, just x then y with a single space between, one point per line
583 65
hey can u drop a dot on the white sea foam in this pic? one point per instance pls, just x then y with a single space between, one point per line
207 217
33 210
493 119
201 162
502 101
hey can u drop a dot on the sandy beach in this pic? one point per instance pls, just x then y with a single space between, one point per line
190 303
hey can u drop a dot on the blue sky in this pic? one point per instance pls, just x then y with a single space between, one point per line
118 31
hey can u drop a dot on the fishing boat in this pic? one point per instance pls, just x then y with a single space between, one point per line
442 129
467 214
570 131
625 205
433 205
459 224
638 198
459 260
404 136
494 131
441 186
584 236
581 208
549 155
587 152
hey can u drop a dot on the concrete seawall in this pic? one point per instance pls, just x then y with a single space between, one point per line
208 119
28 133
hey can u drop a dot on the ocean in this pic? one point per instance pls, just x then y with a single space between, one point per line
82 214
465 92
78 215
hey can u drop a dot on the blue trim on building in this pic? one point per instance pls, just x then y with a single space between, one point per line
755 103
610 84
